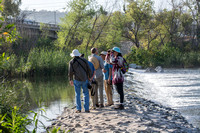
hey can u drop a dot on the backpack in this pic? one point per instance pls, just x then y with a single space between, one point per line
94 61
125 66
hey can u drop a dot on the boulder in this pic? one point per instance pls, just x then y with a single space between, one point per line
150 70
159 69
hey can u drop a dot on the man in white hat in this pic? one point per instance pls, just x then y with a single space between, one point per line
79 73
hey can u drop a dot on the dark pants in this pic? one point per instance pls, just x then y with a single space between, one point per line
119 88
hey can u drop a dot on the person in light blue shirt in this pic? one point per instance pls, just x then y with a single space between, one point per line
107 79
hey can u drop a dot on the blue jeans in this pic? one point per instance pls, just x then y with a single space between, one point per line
77 86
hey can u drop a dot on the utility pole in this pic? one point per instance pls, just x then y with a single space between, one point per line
34 14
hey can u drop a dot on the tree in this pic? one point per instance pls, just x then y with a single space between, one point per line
138 13
11 8
83 25
114 30
194 8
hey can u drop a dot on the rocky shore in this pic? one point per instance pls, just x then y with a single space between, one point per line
139 116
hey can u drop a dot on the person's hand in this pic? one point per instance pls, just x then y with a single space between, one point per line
71 83
109 81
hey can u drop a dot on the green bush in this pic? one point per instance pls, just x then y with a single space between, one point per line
165 56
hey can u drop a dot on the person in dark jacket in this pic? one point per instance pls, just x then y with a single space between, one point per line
79 73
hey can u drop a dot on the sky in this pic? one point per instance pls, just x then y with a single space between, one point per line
59 5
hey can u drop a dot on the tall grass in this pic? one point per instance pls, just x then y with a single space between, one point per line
48 62
40 61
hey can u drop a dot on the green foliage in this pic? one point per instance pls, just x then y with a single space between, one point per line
48 62
139 15
11 7
40 61
7 36
3 61
76 23
165 56
45 43
83 26
16 123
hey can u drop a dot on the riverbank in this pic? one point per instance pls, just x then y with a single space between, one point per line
139 115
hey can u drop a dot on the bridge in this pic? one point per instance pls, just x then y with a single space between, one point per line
31 29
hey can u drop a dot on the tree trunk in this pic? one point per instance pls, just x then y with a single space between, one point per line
91 34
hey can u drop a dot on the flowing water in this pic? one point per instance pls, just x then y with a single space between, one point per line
175 88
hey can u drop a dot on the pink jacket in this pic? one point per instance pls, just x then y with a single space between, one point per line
117 63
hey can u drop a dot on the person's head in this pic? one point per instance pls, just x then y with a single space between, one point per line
116 51
75 53
103 54
94 51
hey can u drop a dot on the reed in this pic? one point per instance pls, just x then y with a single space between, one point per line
40 61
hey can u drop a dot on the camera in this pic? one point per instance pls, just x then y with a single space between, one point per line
89 86
94 82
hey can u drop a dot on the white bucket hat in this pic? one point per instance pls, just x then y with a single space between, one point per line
75 52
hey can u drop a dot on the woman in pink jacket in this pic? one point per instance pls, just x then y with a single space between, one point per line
115 58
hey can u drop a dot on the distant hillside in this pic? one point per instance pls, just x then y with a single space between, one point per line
50 17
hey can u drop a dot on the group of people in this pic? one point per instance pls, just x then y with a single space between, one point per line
93 75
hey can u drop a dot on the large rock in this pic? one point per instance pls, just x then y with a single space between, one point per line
150 70
158 69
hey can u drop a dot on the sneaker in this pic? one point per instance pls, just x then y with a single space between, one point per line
120 107
97 105
87 111
78 111
108 105
93 108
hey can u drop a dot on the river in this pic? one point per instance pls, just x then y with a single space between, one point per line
175 88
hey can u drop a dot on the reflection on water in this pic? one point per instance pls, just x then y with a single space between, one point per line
51 94
176 88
